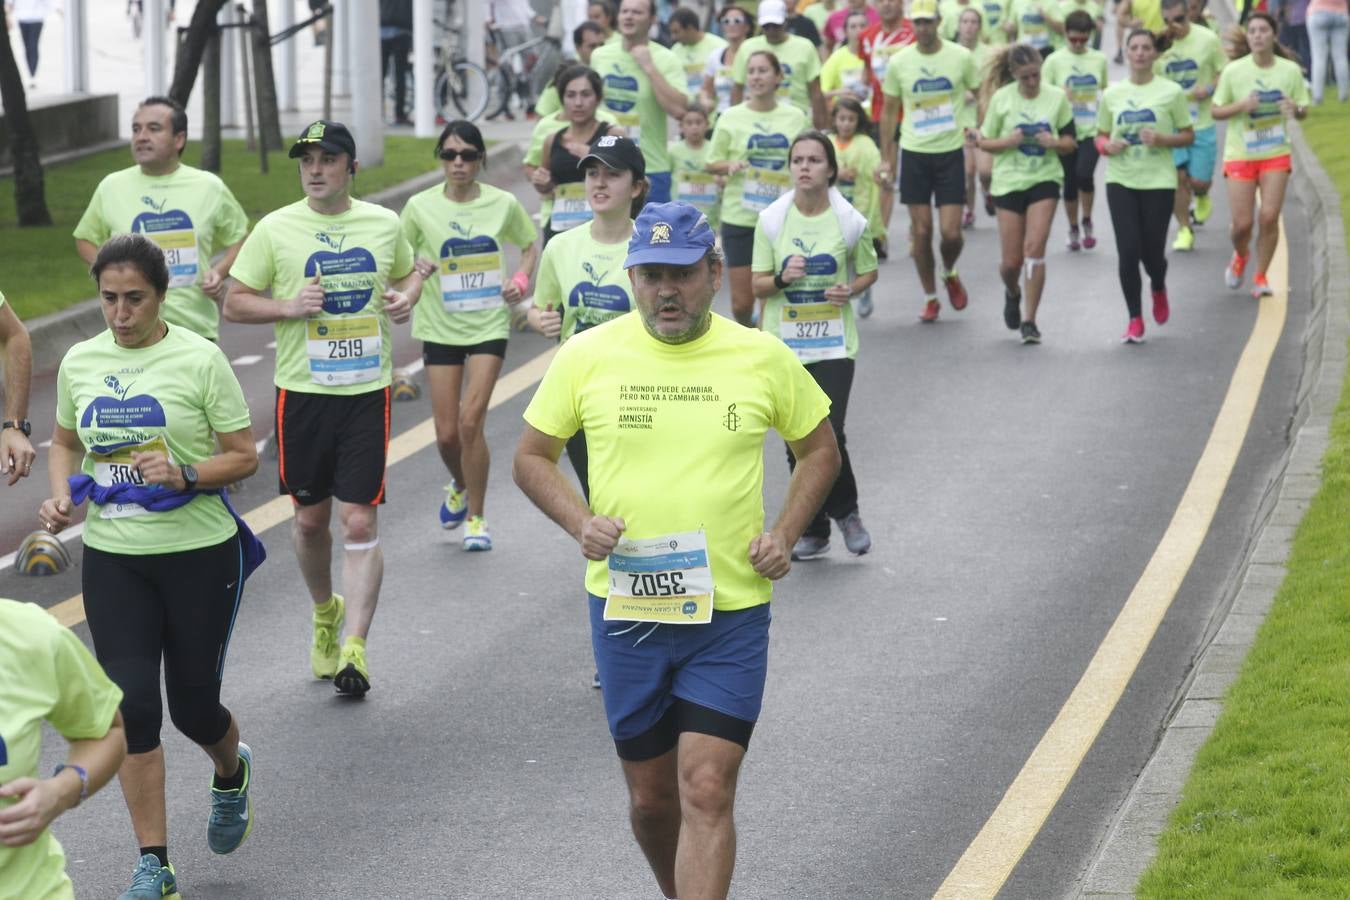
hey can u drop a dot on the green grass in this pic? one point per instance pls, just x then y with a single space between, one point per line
39 270
1266 810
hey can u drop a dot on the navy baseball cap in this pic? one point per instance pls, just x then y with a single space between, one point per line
331 136
619 153
674 234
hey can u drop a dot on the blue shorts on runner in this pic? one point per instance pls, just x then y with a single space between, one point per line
661 680
1198 159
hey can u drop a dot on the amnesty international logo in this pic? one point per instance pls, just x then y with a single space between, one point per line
661 233
731 420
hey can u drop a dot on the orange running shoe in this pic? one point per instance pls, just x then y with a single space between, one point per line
930 311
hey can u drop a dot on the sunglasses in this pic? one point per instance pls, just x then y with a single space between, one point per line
1177 20
1078 39
466 155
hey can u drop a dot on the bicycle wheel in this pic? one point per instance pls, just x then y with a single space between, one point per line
501 86
462 91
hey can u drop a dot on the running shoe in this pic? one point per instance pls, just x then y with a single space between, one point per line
1030 333
1232 276
1074 244
1161 310
1012 309
323 653
865 306
1134 334
880 246
595 681
454 507
353 678
930 311
1204 206
1089 241
956 291
231 811
989 208
151 881
968 220
1185 241
476 536
856 538
1260 286
808 547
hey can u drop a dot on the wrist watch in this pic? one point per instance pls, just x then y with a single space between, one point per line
189 474
84 779
19 425
778 281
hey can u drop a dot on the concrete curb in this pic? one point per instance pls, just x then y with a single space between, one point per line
52 335
1131 842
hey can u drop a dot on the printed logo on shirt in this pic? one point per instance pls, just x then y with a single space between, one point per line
931 82
120 412
731 421
347 276
1184 72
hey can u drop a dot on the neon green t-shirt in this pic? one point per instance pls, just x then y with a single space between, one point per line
356 253
818 15
862 156
462 305
1192 61
995 12
761 139
1029 163
534 153
1060 11
1149 13
46 674
549 102
585 277
694 60
932 87
812 327
174 397
801 66
637 398
1260 134
629 95
949 16
189 213
1127 109
1082 77
845 70
693 183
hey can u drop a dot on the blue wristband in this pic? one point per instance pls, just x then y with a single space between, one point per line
84 779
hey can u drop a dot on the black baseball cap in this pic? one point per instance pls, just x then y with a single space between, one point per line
331 136
619 153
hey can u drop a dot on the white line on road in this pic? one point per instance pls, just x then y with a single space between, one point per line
246 360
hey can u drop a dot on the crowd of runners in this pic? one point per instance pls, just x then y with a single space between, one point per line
781 183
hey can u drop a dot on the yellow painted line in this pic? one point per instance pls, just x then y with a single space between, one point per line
277 510
989 860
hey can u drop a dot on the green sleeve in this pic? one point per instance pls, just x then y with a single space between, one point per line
408 222
253 267
968 69
1217 58
403 257
534 155
1301 95
520 228
720 142
93 227
1181 111
673 72
1105 117
231 220
549 102
812 63
1223 95
88 699
1063 113
993 118
742 60
891 87
829 73
223 398
864 256
547 290
553 408
65 400
764 259
799 403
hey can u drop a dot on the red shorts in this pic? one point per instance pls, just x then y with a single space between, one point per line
1251 169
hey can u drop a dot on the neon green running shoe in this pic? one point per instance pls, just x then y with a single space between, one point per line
353 677
323 653
476 535
1203 207
1185 241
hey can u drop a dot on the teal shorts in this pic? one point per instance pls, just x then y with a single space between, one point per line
1198 159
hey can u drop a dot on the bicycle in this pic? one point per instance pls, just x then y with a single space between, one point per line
518 71
460 89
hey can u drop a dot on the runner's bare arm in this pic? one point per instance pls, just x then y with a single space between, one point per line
87 251
16 349
213 279
890 114
820 116
818 460
246 305
535 471
63 461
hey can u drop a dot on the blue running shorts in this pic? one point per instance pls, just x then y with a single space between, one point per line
1198 159
658 187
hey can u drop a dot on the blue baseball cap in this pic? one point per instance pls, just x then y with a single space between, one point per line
674 234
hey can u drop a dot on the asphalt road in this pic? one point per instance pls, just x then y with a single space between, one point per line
1014 495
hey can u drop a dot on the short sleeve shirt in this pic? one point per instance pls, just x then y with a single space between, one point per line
1082 77
716 396
845 70
354 254
694 59
797 312
629 96
932 87
1033 26
189 213
173 397
585 278
1194 60
46 674
878 48
1126 110
1028 164
1260 134
462 304
800 62
762 140
692 182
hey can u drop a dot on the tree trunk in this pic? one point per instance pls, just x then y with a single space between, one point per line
211 104
264 81
190 52
29 191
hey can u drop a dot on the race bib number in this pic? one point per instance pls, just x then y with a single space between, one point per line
119 467
344 350
1035 32
1263 135
180 254
813 331
471 282
698 189
664 579
1195 112
1083 100
631 122
762 187
570 208
848 188
933 115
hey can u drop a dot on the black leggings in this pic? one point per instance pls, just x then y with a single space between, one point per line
835 377
1080 168
179 606
1139 219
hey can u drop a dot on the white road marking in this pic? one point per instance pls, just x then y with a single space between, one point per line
246 360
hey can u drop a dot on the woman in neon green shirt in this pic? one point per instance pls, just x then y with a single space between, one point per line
459 230
969 24
858 159
737 25
1026 128
845 73
1258 91
749 146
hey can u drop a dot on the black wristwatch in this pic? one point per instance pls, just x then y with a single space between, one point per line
778 281
189 477
19 425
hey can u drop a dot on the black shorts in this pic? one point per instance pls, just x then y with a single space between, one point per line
434 354
928 176
738 245
1020 201
331 445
